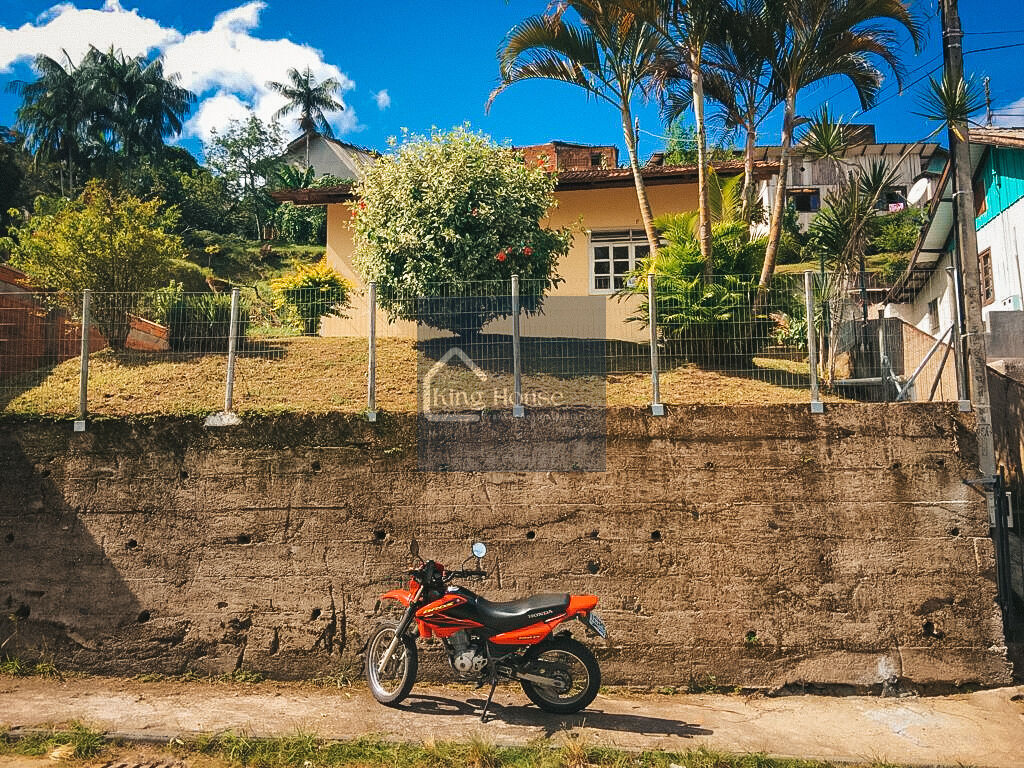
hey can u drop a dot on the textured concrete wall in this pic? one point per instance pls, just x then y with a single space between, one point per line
760 546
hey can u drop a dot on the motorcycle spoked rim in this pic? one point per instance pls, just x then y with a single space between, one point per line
577 670
400 657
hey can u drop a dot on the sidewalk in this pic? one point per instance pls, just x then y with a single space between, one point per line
981 729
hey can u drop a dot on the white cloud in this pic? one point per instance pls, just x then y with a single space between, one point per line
383 99
66 28
1010 116
227 66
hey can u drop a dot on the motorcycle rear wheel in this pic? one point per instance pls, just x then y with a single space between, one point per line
571 660
392 684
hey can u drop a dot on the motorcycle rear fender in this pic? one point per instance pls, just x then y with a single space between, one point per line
401 595
580 604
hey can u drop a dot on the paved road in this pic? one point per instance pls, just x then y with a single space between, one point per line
982 729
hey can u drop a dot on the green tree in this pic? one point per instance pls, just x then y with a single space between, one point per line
613 54
118 246
246 156
311 99
133 104
53 114
443 213
815 40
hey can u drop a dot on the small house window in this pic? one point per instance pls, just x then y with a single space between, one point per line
893 199
988 288
805 200
933 316
980 203
596 160
613 255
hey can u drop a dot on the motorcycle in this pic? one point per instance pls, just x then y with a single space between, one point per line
485 641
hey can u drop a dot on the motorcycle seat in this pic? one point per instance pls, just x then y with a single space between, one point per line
521 613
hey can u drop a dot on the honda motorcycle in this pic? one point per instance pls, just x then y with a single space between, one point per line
486 642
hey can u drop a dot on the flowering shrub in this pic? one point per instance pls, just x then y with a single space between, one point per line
447 220
312 291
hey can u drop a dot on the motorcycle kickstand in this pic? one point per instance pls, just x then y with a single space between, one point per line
490 695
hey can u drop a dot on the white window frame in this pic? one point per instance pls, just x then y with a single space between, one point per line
610 238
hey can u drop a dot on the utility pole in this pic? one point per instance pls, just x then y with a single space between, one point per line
967 248
988 101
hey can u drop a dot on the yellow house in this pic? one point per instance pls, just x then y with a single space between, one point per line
600 203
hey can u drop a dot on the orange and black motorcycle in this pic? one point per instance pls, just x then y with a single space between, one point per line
486 642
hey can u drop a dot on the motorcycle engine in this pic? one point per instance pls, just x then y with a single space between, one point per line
466 658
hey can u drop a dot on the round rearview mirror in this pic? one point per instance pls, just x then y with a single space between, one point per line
414 547
479 549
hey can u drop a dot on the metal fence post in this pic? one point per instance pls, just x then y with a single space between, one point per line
812 342
517 366
957 340
371 377
83 384
657 407
229 391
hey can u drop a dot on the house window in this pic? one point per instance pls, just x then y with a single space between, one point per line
933 316
613 255
988 287
805 200
980 203
893 199
596 159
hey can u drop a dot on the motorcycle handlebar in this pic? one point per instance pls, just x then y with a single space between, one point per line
466 574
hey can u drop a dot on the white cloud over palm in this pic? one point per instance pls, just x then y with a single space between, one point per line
228 66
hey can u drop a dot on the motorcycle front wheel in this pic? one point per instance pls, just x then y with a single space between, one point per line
572 664
392 683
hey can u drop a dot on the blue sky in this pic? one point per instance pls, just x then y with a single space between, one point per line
415 64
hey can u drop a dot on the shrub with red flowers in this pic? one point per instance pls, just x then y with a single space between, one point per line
454 214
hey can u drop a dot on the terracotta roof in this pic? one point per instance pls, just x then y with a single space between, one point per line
594 178
652 174
342 193
999 137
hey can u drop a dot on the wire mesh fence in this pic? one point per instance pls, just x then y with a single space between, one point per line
718 340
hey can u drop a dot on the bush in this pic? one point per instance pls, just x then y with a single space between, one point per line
454 214
202 322
312 291
116 245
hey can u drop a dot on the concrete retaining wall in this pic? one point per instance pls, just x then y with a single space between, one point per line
760 547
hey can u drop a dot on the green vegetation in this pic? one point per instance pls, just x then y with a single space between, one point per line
305 750
75 741
446 213
312 292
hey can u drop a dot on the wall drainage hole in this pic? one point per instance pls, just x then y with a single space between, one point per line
183 475
593 566
143 617
9 538
954 531
380 534
531 535
244 538
22 612
592 534
131 544
315 614
222 604
655 535
315 466
751 637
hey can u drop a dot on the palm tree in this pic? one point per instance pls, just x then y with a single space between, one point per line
52 114
135 105
613 54
310 99
814 40
687 26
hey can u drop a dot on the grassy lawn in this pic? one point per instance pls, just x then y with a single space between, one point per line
329 374
77 744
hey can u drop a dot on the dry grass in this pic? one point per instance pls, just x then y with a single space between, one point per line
329 374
